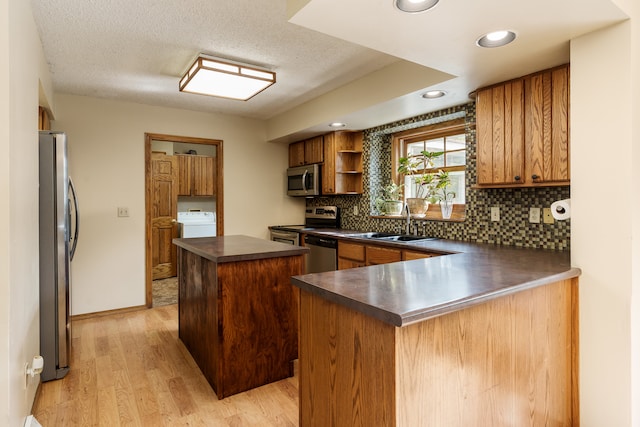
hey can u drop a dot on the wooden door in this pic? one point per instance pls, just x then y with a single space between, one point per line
164 173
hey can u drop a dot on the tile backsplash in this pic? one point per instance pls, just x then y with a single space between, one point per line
514 203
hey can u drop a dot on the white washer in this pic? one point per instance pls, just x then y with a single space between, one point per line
197 224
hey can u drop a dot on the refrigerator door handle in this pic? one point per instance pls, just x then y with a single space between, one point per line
77 224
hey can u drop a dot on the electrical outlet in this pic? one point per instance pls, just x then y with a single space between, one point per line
495 213
534 215
547 218
355 210
123 212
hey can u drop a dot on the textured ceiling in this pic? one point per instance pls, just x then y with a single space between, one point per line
137 51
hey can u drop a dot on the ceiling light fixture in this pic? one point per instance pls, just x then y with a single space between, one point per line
432 94
496 38
226 79
415 6
337 125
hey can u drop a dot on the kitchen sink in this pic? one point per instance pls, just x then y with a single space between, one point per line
406 238
372 235
390 237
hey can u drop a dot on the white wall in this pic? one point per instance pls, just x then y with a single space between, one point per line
5 138
106 159
20 58
606 169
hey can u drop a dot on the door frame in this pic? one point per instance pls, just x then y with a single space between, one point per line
148 191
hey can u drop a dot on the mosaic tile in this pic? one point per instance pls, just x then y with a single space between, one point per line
513 228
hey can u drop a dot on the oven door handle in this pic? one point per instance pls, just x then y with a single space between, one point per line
286 235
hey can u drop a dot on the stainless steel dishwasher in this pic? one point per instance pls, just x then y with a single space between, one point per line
322 254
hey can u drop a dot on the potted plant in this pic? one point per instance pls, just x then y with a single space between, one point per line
391 201
442 194
424 182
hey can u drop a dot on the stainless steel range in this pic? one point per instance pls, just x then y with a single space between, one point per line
322 255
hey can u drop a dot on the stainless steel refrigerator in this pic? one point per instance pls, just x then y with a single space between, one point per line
58 239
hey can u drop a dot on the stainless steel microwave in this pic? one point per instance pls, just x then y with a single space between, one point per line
303 181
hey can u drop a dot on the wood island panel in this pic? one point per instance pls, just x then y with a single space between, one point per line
511 360
239 320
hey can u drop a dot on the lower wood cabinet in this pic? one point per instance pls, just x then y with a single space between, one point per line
352 255
409 255
378 255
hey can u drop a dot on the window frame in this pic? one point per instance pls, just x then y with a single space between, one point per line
400 140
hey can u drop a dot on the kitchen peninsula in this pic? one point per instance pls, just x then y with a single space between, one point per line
486 335
237 310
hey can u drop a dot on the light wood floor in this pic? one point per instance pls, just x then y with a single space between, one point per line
132 370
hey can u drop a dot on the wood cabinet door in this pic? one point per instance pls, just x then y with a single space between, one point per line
314 150
164 172
184 175
296 154
329 165
352 251
500 134
409 255
547 126
204 176
344 263
378 255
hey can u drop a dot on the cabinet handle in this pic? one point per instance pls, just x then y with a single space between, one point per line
516 178
534 176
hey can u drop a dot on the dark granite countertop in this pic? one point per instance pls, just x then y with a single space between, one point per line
411 291
237 248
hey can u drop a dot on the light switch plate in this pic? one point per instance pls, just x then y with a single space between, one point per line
547 218
534 215
495 213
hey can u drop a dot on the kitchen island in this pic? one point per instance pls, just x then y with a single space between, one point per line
237 310
485 336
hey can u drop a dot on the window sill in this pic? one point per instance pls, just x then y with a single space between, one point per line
433 214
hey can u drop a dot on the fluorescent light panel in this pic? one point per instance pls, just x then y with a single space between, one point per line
210 76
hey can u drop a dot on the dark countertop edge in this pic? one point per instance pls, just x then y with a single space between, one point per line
293 251
427 313
421 315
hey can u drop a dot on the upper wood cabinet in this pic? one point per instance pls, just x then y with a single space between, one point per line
44 123
342 168
306 152
196 175
522 129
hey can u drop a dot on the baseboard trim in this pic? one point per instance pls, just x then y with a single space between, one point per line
108 312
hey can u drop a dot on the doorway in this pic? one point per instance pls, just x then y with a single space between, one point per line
164 181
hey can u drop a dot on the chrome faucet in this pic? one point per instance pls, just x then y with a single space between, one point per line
408 226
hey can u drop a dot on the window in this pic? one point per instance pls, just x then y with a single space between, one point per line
448 137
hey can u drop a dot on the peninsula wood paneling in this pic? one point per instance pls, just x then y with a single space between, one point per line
346 367
510 361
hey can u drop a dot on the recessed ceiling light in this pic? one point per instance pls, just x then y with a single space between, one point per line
496 38
432 94
337 125
415 6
